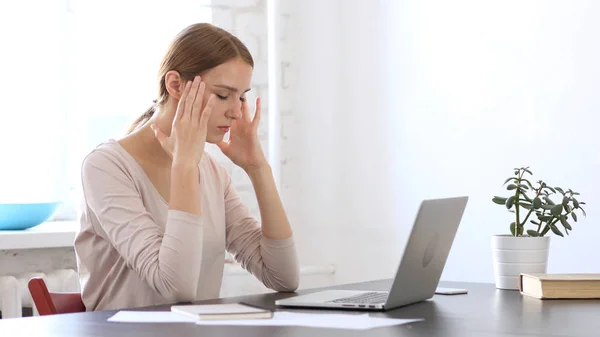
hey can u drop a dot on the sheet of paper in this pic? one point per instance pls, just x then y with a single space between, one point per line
333 321
280 318
150 317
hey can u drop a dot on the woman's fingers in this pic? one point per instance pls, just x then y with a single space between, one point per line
197 108
207 111
246 111
181 104
189 100
257 114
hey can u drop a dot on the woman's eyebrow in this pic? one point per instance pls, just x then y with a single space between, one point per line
229 88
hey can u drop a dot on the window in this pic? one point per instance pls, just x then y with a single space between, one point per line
76 73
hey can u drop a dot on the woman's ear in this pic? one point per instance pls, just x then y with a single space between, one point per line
174 84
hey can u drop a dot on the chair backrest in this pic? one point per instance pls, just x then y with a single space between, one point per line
48 303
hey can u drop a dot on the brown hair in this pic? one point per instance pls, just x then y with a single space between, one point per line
195 50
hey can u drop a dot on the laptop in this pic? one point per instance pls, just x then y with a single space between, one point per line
420 268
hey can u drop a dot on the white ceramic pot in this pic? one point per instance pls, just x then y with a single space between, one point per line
515 255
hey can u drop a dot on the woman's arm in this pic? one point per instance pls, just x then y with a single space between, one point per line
185 188
268 252
275 224
167 260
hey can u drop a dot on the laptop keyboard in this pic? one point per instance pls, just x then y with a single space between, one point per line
366 298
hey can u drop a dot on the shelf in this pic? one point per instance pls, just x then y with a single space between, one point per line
52 234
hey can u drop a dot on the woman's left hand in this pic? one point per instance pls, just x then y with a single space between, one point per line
243 147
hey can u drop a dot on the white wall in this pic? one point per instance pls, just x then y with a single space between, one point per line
335 134
392 102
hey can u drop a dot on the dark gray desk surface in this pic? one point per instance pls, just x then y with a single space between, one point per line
484 312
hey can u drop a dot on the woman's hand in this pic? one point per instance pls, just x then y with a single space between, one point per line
243 147
188 133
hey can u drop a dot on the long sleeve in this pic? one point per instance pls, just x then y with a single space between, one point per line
273 262
154 254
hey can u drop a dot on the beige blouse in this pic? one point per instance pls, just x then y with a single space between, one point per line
132 251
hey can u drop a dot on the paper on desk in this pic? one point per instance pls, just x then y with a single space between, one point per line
334 321
150 317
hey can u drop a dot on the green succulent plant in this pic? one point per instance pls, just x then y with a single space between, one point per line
551 206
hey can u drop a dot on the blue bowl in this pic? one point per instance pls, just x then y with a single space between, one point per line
23 216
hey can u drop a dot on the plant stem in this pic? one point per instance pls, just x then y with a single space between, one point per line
518 223
538 192
549 223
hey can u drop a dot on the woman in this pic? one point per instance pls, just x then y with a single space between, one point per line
159 211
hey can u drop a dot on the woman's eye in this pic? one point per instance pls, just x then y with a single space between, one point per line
222 97
243 99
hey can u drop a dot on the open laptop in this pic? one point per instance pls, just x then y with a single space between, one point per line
420 268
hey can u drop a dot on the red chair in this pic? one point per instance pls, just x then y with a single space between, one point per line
48 303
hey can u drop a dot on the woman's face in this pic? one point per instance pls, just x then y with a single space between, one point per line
229 82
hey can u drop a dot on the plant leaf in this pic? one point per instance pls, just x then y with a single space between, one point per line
563 221
533 233
551 189
560 190
527 170
509 179
556 231
499 200
548 207
565 201
511 187
568 208
556 210
534 222
546 229
512 228
527 197
523 186
526 205
548 200
574 216
544 218
510 202
583 211
537 202
528 182
575 203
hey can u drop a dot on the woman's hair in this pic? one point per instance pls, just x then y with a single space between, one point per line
195 50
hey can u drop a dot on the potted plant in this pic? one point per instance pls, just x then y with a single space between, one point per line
539 210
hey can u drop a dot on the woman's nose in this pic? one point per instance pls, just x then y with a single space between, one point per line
235 110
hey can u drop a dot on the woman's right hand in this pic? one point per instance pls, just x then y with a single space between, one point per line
188 132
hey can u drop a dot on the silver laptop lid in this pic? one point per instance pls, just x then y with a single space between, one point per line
426 251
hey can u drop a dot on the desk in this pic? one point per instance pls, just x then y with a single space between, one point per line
484 312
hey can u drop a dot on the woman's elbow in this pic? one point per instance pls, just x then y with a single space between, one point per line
185 295
178 292
287 285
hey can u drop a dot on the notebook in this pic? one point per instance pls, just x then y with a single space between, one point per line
228 311
560 286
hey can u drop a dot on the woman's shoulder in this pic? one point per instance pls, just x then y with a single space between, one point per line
107 156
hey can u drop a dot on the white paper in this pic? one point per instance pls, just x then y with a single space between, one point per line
333 321
150 317
215 309
280 318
